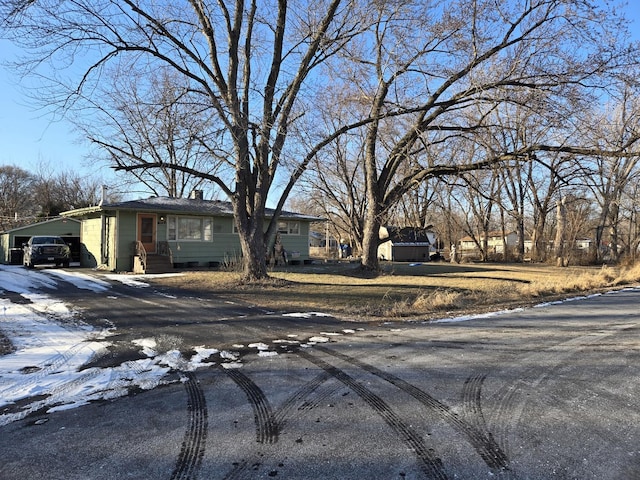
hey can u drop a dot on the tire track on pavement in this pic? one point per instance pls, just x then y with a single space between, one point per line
508 401
54 397
299 398
430 464
279 417
472 401
194 443
483 442
267 429
57 390
473 413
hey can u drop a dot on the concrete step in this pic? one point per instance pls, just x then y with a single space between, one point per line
158 264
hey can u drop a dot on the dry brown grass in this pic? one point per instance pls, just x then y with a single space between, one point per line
407 292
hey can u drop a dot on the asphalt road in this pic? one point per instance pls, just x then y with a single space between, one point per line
544 393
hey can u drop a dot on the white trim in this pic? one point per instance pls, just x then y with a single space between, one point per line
206 231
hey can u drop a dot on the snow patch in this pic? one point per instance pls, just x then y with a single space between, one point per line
148 346
266 353
81 280
48 368
306 314
318 339
226 355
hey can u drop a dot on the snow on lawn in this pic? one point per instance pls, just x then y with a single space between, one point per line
47 369
50 349
51 345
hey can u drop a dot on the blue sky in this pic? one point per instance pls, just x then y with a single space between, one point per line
28 136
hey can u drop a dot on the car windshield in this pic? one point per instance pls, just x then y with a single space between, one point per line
47 240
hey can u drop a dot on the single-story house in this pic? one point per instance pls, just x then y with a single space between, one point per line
11 241
406 244
159 233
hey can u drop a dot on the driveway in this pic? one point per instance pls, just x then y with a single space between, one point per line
547 392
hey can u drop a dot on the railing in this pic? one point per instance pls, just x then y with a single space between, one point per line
141 253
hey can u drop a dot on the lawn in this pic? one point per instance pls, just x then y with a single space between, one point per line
407 291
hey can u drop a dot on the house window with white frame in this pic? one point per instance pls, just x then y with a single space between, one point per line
197 229
289 228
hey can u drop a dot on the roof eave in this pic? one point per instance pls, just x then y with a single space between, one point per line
78 212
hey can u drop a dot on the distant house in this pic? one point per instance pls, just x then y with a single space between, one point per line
319 240
496 241
318 244
406 244
160 233
11 241
583 244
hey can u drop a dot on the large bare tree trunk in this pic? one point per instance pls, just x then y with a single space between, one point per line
370 242
254 254
253 242
561 215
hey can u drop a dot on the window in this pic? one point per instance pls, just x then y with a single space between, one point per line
289 228
190 228
207 229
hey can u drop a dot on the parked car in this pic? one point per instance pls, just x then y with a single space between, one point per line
44 249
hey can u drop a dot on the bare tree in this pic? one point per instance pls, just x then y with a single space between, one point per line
632 217
544 181
415 208
435 67
155 120
15 196
610 177
336 185
250 63
54 190
335 178
450 217
480 200
560 242
26 197
418 68
581 216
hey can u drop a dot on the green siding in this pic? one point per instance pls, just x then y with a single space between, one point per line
225 245
97 228
297 244
124 237
108 239
109 252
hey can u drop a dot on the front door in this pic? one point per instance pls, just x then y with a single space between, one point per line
147 231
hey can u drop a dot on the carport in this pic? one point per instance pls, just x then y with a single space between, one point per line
11 241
